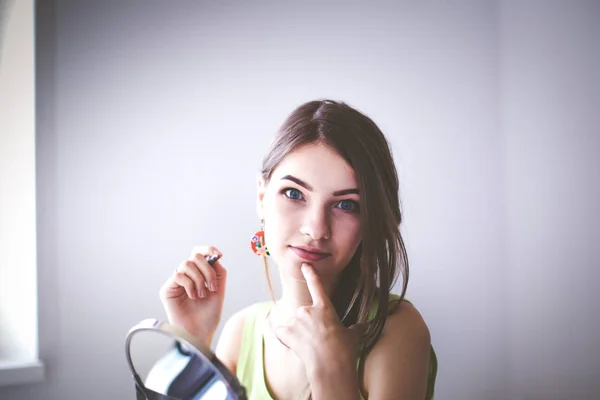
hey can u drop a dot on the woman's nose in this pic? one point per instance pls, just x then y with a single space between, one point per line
316 225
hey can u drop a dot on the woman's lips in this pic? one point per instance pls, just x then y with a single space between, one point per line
309 255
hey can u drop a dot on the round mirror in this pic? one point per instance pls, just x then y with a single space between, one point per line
167 364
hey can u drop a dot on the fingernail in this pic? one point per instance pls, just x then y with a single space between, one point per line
201 293
213 286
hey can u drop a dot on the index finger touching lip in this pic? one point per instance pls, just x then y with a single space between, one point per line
315 287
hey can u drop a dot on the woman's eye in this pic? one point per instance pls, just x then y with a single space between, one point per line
293 194
348 205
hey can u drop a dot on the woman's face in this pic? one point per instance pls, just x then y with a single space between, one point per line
311 209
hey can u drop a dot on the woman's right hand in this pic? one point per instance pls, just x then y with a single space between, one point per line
193 295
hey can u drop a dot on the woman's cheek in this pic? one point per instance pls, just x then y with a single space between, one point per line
350 231
276 223
347 224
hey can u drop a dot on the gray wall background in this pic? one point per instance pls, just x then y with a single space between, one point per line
153 118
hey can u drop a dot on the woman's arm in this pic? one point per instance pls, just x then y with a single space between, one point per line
397 366
336 379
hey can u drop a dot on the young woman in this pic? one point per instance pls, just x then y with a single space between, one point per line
330 214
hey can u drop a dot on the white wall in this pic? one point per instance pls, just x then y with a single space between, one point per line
153 118
551 120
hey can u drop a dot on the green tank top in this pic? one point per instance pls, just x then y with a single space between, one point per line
250 369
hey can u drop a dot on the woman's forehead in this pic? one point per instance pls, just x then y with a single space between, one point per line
318 165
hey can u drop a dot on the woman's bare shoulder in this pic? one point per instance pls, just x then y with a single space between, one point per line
228 347
398 363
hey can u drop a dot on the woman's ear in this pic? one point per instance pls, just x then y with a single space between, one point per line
260 195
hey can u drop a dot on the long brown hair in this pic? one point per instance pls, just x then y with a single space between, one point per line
381 256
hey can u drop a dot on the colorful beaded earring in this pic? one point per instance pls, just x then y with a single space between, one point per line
257 242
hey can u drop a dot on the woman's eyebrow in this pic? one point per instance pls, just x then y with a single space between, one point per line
346 191
310 188
298 181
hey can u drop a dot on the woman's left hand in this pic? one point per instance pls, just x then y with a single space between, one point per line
316 334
